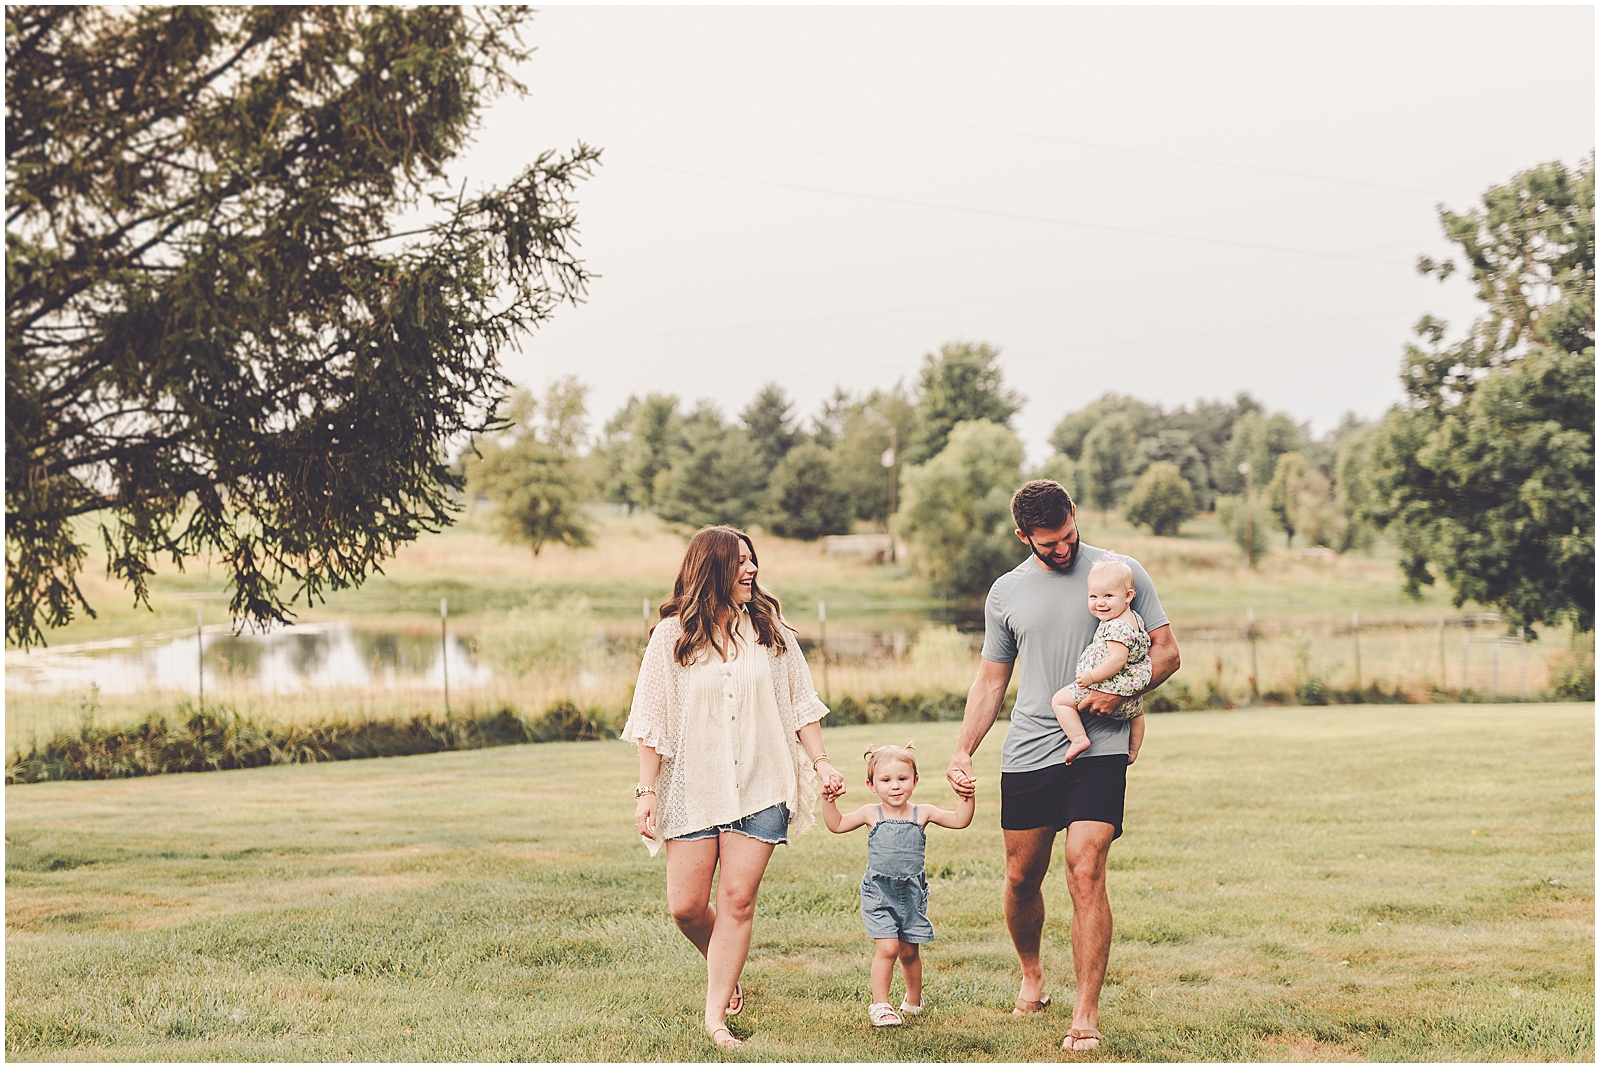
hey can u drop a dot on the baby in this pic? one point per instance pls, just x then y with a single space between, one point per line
894 890
1116 662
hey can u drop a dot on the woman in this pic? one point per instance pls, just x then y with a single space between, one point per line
725 717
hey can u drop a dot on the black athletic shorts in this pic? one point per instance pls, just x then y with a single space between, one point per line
1090 788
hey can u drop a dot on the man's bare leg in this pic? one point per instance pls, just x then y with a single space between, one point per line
1088 843
1027 863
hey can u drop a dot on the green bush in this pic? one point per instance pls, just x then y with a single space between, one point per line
224 740
1575 683
552 641
1162 500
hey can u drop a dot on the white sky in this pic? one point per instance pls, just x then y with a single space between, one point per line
1175 203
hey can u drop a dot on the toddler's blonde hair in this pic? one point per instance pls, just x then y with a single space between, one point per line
876 755
1114 566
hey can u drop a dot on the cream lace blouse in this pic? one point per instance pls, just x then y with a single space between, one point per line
725 731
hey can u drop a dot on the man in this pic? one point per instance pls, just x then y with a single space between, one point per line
1037 615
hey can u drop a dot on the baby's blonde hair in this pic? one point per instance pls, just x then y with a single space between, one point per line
1114 566
883 753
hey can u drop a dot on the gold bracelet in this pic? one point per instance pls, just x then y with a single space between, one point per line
817 759
641 790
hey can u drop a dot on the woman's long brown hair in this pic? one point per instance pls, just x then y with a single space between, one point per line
705 583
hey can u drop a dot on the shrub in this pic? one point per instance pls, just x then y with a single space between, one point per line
1162 500
552 641
224 740
939 645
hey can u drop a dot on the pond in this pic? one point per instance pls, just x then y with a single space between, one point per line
303 656
334 655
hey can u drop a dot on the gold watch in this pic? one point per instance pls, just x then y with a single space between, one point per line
641 790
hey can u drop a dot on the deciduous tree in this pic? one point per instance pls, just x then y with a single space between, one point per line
1485 476
957 509
961 382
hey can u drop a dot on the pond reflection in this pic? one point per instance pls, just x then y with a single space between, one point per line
306 656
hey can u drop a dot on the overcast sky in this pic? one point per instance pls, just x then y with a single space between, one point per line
1177 203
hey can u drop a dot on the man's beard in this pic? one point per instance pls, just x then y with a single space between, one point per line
1051 564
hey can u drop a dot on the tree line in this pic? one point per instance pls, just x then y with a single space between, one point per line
1483 475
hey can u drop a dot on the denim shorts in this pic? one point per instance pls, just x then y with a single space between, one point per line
770 825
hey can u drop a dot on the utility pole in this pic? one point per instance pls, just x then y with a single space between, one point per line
890 457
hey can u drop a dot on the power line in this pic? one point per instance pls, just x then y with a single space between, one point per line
1149 154
1012 215
1142 279
1097 347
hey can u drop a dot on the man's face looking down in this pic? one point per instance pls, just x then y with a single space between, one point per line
1056 549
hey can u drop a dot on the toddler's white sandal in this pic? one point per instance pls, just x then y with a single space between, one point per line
882 1014
908 1009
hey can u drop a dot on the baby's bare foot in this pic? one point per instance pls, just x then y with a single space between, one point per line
1078 746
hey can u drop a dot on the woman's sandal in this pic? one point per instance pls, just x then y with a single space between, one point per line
1025 1007
1081 1034
735 1003
731 1042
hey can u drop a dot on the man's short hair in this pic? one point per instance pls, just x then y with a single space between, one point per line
1042 504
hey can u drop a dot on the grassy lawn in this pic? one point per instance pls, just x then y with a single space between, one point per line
1410 883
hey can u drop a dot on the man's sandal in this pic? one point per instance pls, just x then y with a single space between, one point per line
731 1042
736 1002
1081 1034
1025 1007
882 1014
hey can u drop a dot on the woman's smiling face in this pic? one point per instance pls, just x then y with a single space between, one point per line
744 586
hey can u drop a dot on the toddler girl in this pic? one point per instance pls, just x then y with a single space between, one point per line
894 890
1117 661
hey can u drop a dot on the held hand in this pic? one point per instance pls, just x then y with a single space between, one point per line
1100 703
960 775
832 781
644 816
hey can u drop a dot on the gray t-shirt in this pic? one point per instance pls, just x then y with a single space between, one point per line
1041 620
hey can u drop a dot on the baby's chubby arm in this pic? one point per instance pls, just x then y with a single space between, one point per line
1116 659
961 817
840 822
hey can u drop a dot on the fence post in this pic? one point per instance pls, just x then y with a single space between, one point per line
1443 682
1250 632
1466 673
1522 661
822 618
200 652
444 650
1355 629
1494 670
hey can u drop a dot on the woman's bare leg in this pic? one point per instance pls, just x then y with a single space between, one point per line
743 862
690 866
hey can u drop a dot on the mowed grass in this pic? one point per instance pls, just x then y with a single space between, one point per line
1409 883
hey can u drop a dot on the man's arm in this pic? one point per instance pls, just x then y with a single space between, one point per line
983 705
1164 660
